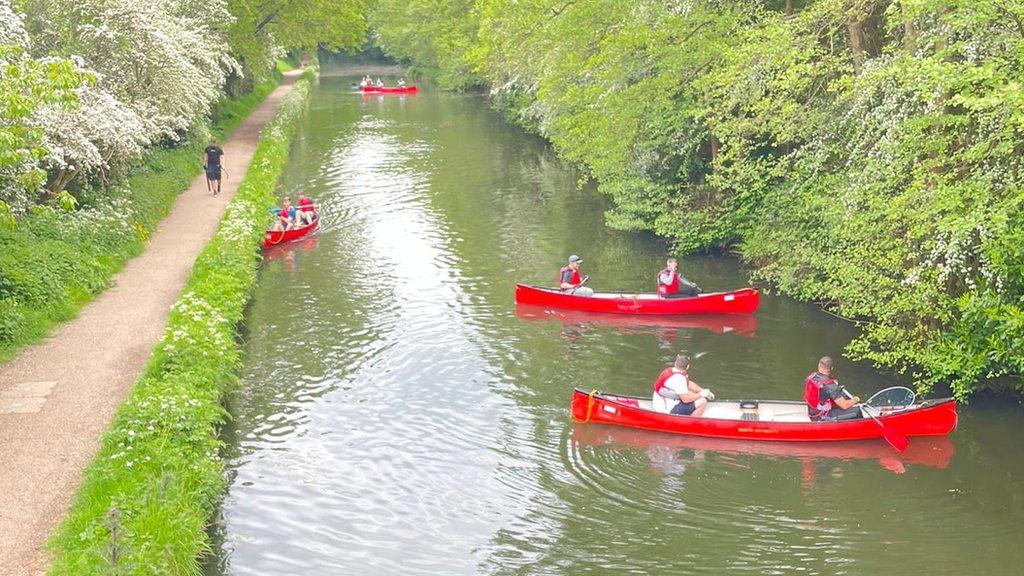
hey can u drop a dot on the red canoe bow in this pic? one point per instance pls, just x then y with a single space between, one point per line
777 421
744 301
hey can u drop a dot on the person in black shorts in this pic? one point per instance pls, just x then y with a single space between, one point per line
212 157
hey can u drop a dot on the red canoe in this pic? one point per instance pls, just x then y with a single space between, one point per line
743 301
934 451
390 89
274 237
777 421
745 324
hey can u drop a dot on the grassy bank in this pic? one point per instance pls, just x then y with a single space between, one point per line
147 497
53 261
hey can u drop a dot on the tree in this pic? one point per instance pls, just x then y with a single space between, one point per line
27 85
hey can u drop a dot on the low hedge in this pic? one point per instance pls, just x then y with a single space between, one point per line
53 261
147 497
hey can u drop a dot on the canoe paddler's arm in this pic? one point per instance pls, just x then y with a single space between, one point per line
847 403
694 392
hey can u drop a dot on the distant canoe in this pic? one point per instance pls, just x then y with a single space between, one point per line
390 89
744 301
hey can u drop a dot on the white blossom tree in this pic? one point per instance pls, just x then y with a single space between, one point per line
159 67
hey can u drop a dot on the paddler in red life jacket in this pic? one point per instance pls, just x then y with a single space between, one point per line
569 279
306 213
825 398
676 393
284 217
671 283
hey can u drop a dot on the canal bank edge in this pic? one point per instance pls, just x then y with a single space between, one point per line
147 497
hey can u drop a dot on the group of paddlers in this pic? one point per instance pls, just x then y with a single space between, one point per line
676 393
295 216
671 283
379 83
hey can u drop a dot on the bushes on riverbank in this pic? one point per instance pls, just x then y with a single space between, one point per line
157 478
860 153
54 260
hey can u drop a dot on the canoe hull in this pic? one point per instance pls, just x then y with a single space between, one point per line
931 418
272 238
745 301
390 90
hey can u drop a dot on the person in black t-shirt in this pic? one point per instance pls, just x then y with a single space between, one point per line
212 157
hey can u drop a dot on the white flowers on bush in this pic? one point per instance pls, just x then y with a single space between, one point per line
159 67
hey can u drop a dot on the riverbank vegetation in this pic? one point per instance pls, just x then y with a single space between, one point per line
864 154
151 490
107 105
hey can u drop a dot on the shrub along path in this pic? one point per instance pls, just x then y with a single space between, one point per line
58 397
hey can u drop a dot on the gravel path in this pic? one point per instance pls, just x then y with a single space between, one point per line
57 397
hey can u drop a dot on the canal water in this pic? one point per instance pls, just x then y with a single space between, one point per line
399 415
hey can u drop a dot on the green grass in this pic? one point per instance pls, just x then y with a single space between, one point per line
148 495
53 261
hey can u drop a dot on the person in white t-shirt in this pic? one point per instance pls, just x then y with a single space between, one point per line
676 393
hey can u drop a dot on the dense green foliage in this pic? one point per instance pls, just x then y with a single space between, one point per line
54 260
262 27
154 485
860 153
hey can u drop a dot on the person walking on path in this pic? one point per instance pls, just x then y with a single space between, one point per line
211 164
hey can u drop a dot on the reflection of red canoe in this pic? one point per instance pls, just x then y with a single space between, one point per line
390 89
275 237
767 420
745 324
935 451
288 250
743 301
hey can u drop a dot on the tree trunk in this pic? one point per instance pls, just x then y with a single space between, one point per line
789 7
854 27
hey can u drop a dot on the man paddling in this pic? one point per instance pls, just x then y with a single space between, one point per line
569 279
671 283
212 157
826 399
676 393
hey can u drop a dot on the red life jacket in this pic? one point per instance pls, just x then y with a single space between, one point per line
670 288
576 281
816 407
305 204
665 375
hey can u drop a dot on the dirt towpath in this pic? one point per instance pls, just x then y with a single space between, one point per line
57 397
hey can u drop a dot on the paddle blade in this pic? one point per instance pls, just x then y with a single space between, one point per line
898 441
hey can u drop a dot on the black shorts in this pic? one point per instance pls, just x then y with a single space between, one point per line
684 409
213 172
